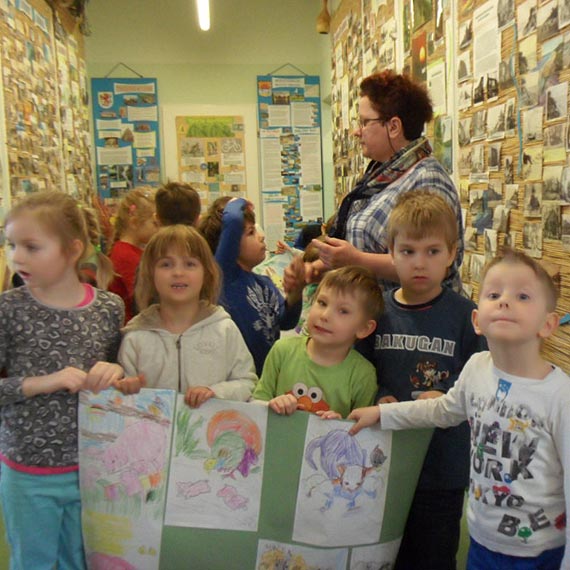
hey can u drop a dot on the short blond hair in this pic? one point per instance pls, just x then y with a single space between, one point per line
188 241
515 257
359 282
422 213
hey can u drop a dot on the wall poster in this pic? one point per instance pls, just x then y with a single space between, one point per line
126 131
289 120
211 155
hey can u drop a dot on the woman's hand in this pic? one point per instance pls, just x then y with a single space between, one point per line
334 252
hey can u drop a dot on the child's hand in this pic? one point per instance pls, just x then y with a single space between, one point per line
284 405
294 279
282 247
387 400
314 271
130 385
197 395
102 375
430 394
364 417
329 415
70 378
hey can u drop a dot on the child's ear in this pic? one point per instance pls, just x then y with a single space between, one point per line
475 321
76 250
550 325
452 254
366 329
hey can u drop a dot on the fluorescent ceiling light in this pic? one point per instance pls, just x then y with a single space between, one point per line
203 14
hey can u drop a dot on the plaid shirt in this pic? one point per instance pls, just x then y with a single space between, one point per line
368 218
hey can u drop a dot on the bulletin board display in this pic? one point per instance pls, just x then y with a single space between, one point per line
126 134
211 155
30 93
497 72
289 121
44 116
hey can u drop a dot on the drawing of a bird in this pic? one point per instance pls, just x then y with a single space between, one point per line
235 444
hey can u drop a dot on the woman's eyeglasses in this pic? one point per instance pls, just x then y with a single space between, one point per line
362 123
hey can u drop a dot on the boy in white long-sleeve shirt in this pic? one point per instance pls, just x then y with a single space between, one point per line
517 407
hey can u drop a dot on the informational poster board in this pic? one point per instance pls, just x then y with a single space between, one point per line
126 131
211 155
289 120
241 480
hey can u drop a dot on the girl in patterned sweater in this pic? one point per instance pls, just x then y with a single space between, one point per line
57 337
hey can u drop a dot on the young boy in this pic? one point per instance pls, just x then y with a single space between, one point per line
253 301
321 372
423 340
177 203
517 407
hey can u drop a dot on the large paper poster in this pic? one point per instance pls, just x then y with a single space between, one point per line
126 123
211 155
273 491
289 118
124 451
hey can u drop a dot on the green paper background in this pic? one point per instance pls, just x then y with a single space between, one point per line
208 549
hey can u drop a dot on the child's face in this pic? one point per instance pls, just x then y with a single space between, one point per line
422 265
178 278
512 306
252 247
337 319
37 255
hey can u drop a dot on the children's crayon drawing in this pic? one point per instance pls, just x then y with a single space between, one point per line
279 556
217 466
124 451
342 487
375 557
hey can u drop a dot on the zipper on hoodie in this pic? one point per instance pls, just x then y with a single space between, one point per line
179 349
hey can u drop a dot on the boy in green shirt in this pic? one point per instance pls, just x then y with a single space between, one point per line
322 373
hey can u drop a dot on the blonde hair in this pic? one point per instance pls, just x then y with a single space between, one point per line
187 241
421 213
513 257
136 206
105 271
359 282
60 215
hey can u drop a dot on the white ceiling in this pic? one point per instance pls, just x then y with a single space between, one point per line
242 31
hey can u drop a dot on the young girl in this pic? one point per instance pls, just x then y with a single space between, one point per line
185 342
56 338
135 224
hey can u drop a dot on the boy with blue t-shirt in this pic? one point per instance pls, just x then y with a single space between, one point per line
253 301
423 340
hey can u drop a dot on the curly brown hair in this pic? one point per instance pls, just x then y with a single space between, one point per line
395 95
